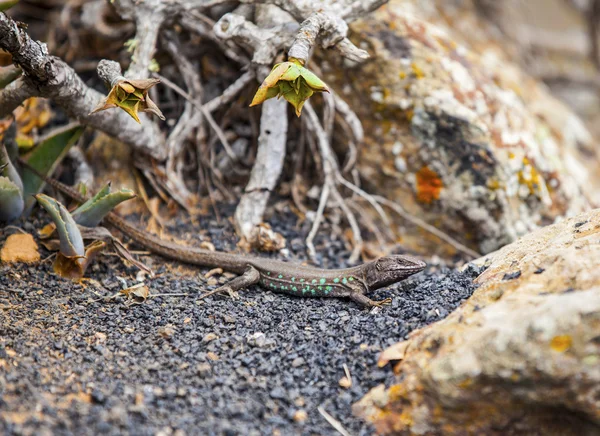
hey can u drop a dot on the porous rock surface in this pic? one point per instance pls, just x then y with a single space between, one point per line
457 133
521 356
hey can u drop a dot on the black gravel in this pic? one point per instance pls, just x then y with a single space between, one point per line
74 363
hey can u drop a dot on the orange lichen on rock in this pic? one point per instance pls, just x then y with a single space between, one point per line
561 343
429 185
20 248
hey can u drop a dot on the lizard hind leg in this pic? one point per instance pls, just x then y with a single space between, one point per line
250 277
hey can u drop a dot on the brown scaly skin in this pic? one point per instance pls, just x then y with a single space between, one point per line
278 276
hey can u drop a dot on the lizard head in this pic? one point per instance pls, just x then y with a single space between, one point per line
391 269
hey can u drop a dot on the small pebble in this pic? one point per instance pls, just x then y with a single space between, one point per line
300 416
257 339
209 337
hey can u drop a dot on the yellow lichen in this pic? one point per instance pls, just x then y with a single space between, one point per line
529 176
561 343
418 72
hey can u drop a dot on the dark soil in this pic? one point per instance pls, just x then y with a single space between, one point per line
74 363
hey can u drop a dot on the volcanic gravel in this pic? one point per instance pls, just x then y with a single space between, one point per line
72 362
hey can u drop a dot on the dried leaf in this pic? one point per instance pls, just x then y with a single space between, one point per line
20 248
91 252
69 267
125 254
73 267
139 293
47 231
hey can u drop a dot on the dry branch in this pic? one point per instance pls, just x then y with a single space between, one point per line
52 78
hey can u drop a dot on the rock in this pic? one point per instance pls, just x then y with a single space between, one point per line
203 370
564 63
458 134
300 416
209 337
521 355
257 339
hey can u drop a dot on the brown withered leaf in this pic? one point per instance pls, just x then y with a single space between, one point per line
73 267
20 248
138 293
125 254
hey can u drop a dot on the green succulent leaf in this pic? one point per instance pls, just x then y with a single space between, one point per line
7 4
45 157
131 96
298 97
11 200
7 169
90 213
71 242
291 81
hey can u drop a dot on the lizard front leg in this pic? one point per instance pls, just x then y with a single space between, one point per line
250 277
357 294
363 300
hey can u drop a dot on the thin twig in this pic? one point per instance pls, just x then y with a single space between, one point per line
334 422
427 227
229 93
310 246
183 294
205 113
347 372
356 233
332 173
18 229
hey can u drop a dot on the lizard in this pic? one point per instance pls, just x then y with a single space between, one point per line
275 275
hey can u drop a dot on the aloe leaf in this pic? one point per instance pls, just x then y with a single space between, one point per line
8 170
45 157
11 200
101 193
7 4
94 210
71 242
